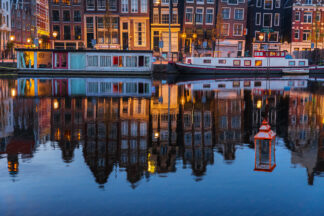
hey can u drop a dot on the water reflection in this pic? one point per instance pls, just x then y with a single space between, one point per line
144 127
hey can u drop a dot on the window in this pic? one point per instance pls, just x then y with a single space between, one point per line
125 26
92 61
247 62
225 13
113 5
143 6
105 61
297 34
273 37
292 63
308 2
221 61
165 18
200 1
199 15
175 16
56 15
101 4
297 16
238 29
189 15
258 3
77 32
225 29
308 17
67 33
124 6
134 6
306 35
77 16
258 19
267 20
318 16
232 2
140 34
155 15
258 63
277 3
238 14
276 19
210 1
209 16
66 15
268 4
236 62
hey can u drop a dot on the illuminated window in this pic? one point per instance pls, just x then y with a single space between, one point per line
258 63
247 62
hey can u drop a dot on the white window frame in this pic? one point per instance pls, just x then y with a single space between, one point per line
125 5
296 30
210 1
144 6
279 3
242 9
298 16
258 5
192 14
311 15
270 20
231 3
277 33
211 14
256 20
227 34
200 2
229 13
202 15
240 24
133 4
276 15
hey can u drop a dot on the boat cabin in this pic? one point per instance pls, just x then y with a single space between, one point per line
84 60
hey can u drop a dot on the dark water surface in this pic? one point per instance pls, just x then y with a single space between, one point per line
137 146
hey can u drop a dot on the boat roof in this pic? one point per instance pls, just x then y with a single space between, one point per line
85 50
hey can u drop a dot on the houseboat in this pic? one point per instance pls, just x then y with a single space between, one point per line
116 62
262 62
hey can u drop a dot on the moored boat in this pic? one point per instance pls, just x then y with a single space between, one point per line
88 62
262 62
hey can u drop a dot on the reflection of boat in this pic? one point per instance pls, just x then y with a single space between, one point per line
41 61
139 87
263 62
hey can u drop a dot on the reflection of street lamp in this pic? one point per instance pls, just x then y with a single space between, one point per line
55 104
259 104
13 92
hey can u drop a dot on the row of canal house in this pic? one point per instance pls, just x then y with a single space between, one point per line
201 27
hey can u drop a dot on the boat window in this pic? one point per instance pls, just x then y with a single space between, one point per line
92 61
115 87
247 83
147 88
93 87
221 85
236 83
131 87
105 87
291 63
115 61
221 61
120 61
147 61
207 61
301 63
257 84
237 63
128 61
206 86
247 62
44 60
105 61
140 61
134 61
258 63
121 85
189 61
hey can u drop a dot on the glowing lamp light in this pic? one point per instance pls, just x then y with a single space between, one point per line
261 37
264 144
12 38
55 34
40 41
55 104
182 101
184 35
156 135
259 104
28 40
194 36
13 92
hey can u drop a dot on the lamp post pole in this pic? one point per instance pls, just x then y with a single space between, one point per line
12 39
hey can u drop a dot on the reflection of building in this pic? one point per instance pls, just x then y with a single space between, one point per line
5 28
160 27
67 22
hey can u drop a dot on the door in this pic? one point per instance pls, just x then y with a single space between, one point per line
125 40
60 60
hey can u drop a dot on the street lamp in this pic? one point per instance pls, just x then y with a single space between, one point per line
194 36
54 37
12 40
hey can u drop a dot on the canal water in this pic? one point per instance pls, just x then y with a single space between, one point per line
142 146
